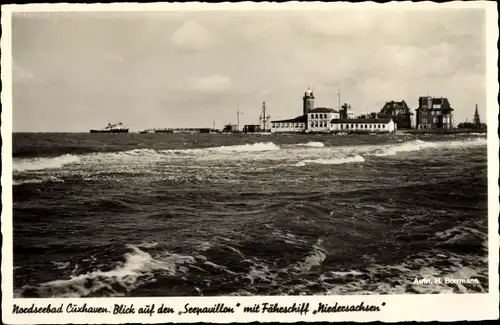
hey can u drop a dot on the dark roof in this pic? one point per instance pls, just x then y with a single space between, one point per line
445 103
323 110
361 120
302 118
389 107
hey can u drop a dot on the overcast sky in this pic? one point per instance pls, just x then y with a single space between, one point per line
73 72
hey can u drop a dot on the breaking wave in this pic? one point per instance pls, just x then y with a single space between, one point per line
306 153
417 145
333 161
27 164
138 268
311 144
37 180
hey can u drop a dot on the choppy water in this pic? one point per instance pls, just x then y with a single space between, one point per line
172 214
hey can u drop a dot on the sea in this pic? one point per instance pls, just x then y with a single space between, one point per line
101 215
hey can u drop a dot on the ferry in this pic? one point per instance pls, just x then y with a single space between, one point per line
112 128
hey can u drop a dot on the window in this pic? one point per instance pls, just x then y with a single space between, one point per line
383 126
347 126
341 126
435 120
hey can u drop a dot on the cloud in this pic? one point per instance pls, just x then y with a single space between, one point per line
215 83
192 36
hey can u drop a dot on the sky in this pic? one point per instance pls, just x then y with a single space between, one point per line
81 70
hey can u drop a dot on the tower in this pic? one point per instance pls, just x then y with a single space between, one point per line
264 117
477 121
308 101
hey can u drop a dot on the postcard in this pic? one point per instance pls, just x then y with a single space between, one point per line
243 162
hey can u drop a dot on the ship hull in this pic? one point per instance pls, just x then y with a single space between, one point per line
109 131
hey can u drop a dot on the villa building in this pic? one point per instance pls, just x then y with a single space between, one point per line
434 113
399 112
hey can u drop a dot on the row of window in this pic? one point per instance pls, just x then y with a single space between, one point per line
324 125
320 124
287 125
424 113
320 116
432 106
434 120
363 126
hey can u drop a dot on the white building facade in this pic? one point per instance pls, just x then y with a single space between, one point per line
318 119
297 124
382 125
312 120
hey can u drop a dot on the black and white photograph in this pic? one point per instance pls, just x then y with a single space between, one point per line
231 152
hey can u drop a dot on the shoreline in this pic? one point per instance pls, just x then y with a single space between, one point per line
402 131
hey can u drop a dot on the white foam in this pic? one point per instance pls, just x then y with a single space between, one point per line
315 258
37 180
417 145
27 164
259 146
138 264
331 161
311 144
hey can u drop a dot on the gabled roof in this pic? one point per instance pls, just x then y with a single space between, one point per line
389 107
443 101
323 110
302 118
361 120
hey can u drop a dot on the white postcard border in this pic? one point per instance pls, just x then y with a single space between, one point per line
443 307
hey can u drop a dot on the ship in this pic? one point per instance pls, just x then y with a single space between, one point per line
112 128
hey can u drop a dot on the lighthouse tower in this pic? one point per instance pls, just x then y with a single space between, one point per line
477 121
308 101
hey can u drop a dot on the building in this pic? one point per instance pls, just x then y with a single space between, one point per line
251 128
399 112
434 113
230 128
346 111
297 124
477 120
369 125
319 119
312 119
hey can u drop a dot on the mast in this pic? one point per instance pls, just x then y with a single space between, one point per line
264 118
238 113
338 95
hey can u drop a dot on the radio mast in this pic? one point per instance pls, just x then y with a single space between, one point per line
264 118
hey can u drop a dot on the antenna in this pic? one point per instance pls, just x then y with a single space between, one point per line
338 94
238 117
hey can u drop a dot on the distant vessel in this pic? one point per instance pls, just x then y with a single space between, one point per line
112 128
